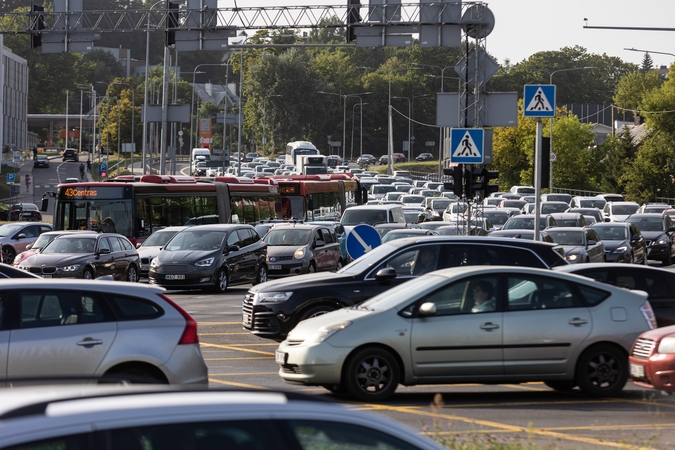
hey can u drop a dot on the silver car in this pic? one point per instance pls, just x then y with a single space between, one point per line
480 324
159 419
102 331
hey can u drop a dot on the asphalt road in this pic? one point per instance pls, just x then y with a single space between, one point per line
484 415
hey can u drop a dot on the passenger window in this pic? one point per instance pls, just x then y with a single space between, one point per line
75 442
103 244
61 308
473 295
316 435
126 245
592 296
233 239
115 245
521 257
131 308
533 292
402 263
245 237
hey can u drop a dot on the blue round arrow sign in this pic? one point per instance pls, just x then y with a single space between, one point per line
361 240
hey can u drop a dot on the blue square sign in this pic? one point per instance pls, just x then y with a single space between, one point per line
539 100
466 145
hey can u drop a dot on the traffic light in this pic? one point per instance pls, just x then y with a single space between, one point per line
171 22
37 23
476 180
455 185
353 16
487 187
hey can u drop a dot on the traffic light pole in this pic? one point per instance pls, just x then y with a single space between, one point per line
537 180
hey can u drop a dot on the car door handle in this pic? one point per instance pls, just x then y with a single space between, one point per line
89 341
489 326
577 321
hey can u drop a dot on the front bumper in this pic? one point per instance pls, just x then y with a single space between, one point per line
659 372
271 320
617 257
319 364
286 268
658 252
196 279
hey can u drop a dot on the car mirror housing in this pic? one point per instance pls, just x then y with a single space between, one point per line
386 274
427 309
20 236
232 248
319 243
104 251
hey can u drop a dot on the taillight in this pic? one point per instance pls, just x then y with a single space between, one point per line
648 314
190 335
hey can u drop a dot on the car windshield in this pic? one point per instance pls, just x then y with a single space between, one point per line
412 199
592 203
371 258
624 210
292 237
648 224
456 208
196 240
554 208
566 237
391 236
524 223
71 245
567 222
159 238
42 241
358 216
497 219
440 205
611 233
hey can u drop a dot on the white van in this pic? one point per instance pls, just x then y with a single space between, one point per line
205 152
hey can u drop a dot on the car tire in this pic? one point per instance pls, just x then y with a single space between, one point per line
261 276
602 371
129 376
371 374
88 274
316 311
221 282
8 254
561 385
132 274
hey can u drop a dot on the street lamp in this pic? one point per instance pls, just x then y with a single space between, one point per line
344 116
192 107
145 96
351 156
264 139
649 51
133 125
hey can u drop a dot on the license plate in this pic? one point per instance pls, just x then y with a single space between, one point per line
46 276
247 319
280 357
637 370
174 277
275 266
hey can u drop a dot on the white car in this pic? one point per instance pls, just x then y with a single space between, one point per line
159 419
473 324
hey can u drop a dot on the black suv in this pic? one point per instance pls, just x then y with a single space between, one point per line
70 154
211 257
273 309
658 232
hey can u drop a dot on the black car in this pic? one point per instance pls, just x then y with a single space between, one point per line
41 161
86 255
24 211
425 157
366 159
273 309
211 257
623 242
658 283
7 271
70 154
658 231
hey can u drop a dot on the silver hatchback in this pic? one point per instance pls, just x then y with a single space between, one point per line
473 324
95 332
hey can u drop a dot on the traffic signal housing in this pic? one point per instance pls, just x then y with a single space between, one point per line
456 185
476 178
353 16
37 24
171 22
487 187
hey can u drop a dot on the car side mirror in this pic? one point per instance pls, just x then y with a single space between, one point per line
386 274
591 242
607 219
319 243
232 248
104 251
20 236
29 246
427 309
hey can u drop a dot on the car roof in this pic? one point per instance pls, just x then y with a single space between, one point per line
611 267
473 239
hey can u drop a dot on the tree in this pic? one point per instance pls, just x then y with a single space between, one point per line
647 64
633 87
573 144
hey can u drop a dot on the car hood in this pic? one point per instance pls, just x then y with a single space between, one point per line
307 327
282 250
56 259
184 256
613 244
570 249
148 252
299 282
620 218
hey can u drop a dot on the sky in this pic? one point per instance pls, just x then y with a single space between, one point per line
524 27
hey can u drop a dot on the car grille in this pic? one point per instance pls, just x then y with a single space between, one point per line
643 348
175 268
260 321
291 368
42 270
282 258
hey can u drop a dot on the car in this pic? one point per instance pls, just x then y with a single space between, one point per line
581 245
263 226
659 232
378 191
595 212
399 157
86 255
7 271
40 243
425 157
251 156
525 234
652 359
371 215
71 180
623 242
41 161
15 237
151 247
456 229
24 211
497 217
552 207
272 309
365 160
588 202
658 208
455 211
611 197
436 206
526 222
211 257
125 332
523 190
544 325
619 211
293 249
570 219
70 154
566 198
406 233
506 203
165 419
384 228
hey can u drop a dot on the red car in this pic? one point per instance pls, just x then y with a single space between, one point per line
652 359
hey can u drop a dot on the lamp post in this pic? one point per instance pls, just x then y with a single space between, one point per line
145 96
440 130
649 51
344 116
409 131
351 156
264 139
192 105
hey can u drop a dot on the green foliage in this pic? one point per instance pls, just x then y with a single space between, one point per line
650 174
647 64
573 145
633 87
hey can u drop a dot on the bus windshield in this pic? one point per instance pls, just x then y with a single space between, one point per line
108 216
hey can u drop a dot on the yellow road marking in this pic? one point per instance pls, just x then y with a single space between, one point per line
650 403
232 347
503 426
251 358
232 383
241 374
580 428
525 388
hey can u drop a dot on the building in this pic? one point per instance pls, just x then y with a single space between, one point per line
14 100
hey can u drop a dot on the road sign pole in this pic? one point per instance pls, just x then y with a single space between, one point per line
537 180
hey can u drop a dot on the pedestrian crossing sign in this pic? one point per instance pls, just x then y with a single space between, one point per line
466 145
539 100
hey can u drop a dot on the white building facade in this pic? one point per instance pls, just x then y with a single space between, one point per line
14 100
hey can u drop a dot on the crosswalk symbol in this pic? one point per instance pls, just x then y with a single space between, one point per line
539 101
467 145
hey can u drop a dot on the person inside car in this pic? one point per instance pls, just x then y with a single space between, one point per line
483 297
426 261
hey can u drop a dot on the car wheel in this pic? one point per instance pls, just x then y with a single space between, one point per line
371 374
221 281
132 274
129 376
88 274
316 311
312 267
261 277
602 371
8 254
561 385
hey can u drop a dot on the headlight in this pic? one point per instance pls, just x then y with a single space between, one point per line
621 249
572 257
71 268
662 242
299 253
205 262
271 297
324 333
667 345
154 264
